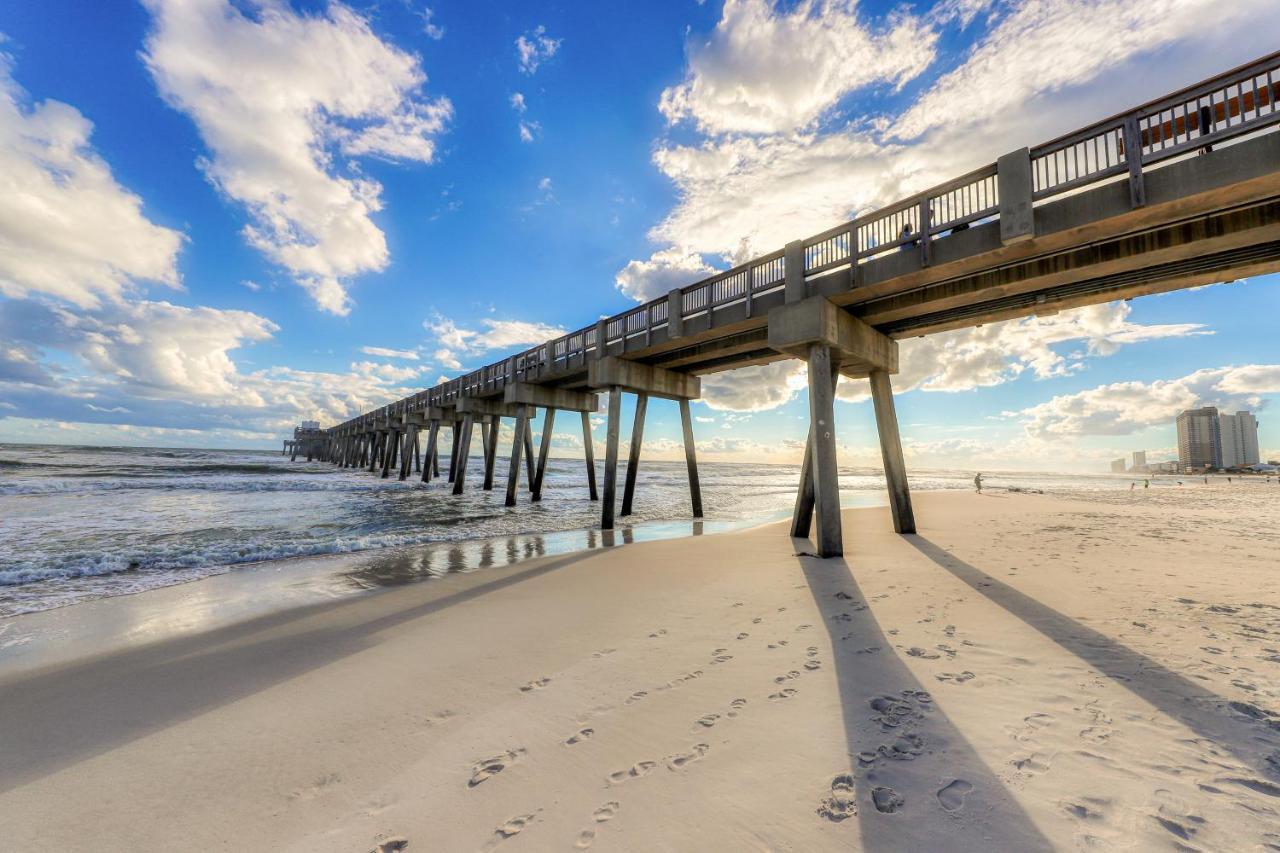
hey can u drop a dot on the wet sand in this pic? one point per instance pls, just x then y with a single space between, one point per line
1028 673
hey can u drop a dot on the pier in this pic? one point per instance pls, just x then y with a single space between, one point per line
1179 192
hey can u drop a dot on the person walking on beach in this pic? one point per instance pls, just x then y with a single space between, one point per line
977 482
1146 484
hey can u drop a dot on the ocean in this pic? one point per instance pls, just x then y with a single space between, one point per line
78 523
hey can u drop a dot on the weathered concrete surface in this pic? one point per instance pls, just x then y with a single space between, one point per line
858 348
611 372
550 398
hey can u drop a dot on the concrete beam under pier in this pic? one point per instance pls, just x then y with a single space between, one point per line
613 372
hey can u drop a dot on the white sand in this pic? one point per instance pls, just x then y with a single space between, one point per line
1028 673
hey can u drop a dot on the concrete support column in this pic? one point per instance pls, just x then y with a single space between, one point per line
417 452
611 458
406 454
633 459
517 445
802 517
826 479
548 422
589 447
463 451
895 469
691 458
432 435
529 459
375 443
453 451
392 443
491 451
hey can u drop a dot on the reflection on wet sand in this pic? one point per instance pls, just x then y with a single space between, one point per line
421 562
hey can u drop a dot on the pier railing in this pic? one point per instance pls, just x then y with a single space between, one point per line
1228 106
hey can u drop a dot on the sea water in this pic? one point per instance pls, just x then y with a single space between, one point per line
85 522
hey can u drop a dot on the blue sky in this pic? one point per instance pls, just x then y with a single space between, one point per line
217 218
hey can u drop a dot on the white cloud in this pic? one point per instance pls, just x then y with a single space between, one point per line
67 228
766 70
529 130
157 366
278 97
456 342
1122 408
383 352
665 270
1043 47
961 360
545 185
534 48
517 102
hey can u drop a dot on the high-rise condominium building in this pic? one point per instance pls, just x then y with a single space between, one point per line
1239 439
1199 438
1139 460
1117 466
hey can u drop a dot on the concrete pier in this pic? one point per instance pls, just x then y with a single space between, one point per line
1144 202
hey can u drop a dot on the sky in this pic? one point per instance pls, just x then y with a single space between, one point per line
220 218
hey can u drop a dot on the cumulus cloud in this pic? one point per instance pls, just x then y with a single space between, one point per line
67 228
1122 408
534 48
665 270
153 365
962 360
279 97
769 70
455 343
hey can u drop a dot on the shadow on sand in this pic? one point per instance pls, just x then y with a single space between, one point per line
1245 731
53 719
919 784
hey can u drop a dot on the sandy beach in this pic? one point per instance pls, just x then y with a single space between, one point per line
1028 673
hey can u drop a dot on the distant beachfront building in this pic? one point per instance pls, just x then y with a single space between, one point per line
1199 438
1139 460
1239 440
1207 439
1117 466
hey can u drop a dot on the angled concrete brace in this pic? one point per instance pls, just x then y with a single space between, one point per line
491 451
691 458
611 458
513 470
406 455
588 444
802 517
895 469
463 452
633 459
453 450
528 445
432 435
389 452
548 422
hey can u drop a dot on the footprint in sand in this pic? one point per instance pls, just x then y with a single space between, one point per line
636 697
493 766
512 827
756 621
708 720
956 677
606 812
951 796
777 645
812 651
887 800
585 839
391 845
743 635
681 760
842 803
917 652
578 738
1033 763
721 659
535 685
843 596
735 706
658 633
782 679
635 771
812 665
786 693
603 653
